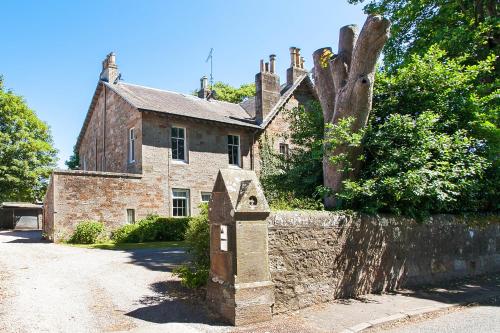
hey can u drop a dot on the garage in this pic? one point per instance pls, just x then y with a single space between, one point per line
20 216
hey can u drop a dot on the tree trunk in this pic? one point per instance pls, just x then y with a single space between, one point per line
345 89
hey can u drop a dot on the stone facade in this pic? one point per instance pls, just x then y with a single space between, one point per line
317 257
104 145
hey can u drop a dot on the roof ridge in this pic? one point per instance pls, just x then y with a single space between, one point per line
178 93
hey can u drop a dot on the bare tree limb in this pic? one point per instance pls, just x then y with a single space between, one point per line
349 80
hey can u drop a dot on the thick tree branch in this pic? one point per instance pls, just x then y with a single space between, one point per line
323 79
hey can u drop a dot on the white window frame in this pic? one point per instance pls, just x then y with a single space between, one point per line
131 145
205 193
184 138
231 146
130 215
178 197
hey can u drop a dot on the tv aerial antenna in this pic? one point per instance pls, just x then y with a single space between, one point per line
210 57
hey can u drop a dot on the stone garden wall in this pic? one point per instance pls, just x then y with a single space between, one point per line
75 196
316 257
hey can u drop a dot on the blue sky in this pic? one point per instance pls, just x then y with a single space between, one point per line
51 51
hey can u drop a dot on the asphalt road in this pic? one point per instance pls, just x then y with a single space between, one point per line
480 318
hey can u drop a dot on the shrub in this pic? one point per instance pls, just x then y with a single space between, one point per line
198 241
87 232
123 234
151 229
288 202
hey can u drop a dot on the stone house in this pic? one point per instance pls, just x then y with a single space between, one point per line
143 150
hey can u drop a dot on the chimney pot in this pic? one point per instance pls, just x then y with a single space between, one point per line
272 63
267 67
297 57
261 65
293 50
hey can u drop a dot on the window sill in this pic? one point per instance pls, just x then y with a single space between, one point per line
180 162
232 166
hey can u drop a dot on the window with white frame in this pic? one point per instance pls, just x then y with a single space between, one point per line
284 149
178 143
180 202
130 216
131 145
205 196
233 149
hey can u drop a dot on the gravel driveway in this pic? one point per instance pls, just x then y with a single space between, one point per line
46 287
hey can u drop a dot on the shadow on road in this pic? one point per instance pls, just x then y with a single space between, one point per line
162 260
24 236
174 303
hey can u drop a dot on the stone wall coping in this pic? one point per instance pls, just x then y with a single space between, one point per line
97 174
326 219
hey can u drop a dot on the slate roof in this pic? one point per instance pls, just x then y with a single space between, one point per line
151 99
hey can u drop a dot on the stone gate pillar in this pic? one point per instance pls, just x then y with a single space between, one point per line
239 287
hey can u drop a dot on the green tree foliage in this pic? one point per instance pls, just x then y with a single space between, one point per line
26 152
459 27
73 163
432 145
290 179
415 169
227 93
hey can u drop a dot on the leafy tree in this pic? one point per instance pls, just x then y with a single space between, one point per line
225 92
26 152
459 27
433 143
73 163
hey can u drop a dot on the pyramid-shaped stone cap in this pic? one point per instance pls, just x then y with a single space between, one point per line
243 189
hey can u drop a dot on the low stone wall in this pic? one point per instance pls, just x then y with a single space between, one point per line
316 257
75 196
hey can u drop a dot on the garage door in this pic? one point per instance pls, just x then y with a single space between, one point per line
26 219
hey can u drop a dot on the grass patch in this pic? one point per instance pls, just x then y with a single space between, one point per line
131 246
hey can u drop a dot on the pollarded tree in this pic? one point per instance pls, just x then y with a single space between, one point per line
344 83
26 152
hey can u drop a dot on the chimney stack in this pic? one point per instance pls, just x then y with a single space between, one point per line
296 69
267 89
204 90
109 71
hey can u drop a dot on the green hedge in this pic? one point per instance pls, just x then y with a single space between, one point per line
87 232
151 229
